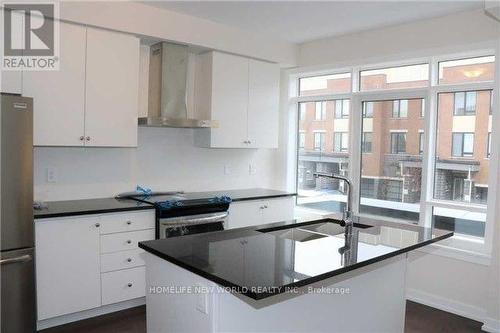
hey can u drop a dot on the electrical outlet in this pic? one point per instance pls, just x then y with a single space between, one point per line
252 169
201 299
227 169
51 175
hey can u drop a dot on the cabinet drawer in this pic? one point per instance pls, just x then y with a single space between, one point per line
129 221
123 285
121 260
125 240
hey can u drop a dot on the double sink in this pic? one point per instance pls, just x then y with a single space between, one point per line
308 232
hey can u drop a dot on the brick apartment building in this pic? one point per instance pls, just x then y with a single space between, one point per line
393 138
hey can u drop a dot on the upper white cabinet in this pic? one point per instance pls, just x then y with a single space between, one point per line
112 89
92 99
59 96
242 95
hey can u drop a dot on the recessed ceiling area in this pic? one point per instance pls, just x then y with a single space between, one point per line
301 21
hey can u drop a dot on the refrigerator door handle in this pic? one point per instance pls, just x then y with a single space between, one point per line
24 258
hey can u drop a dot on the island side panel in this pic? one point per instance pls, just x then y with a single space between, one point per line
376 303
176 310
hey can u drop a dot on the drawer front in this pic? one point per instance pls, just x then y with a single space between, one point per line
124 241
121 260
128 221
123 285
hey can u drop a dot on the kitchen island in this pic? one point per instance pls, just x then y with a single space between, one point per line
283 277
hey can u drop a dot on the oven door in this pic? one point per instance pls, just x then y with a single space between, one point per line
192 224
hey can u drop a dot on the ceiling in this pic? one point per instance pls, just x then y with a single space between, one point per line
301 21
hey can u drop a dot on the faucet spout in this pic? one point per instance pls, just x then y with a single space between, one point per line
347 216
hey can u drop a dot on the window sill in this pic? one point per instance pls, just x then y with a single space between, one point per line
449 250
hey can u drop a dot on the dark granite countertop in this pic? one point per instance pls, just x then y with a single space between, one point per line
109 205
265 260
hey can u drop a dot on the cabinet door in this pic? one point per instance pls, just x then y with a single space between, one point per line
278 210
245 213
263 104
58 96
229 100
112 89
67 265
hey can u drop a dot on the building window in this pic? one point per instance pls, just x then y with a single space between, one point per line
302 114
462 145
319 141
422 110
340 143
342 108
302 140
488 149
465 103
413 76
400 108
421 143
398 143
320 113
368 110
325 84
478 69
366 142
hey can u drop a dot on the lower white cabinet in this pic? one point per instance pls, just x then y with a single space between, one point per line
123 285
254 212
87 262
67 265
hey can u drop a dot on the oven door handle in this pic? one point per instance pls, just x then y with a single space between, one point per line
197 220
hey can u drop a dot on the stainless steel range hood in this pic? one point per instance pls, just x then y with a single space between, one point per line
168 81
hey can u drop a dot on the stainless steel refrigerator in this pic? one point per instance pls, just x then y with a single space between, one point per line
17 256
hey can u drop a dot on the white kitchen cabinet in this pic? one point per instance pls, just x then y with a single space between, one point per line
59 96
92 100
255 212
111 89
263 104
242 95
67 265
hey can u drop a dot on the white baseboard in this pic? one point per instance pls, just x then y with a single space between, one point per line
491 325
61 320
448 305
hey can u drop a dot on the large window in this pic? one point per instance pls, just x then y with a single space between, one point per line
423 145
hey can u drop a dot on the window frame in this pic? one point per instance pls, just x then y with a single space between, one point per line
396 135
430 96
463 154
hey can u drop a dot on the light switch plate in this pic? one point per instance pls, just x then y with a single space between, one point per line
51 175
227 169
252 169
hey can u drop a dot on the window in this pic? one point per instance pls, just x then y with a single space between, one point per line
467 70
390 164
302 114
342 108
420 143
393 144
488 148
465 103
325 84
400 108
413 76
366 142
462 144
341 142
319 141
398 143
368 110
302 140
320 113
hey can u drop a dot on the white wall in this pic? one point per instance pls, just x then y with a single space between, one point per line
165 160
466 288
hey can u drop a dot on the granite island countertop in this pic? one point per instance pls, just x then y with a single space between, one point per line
109 205
265 260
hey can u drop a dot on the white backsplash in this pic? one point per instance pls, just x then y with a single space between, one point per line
165 159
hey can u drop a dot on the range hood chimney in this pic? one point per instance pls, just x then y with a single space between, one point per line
168 80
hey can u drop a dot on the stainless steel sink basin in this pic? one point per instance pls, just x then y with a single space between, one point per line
296 234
